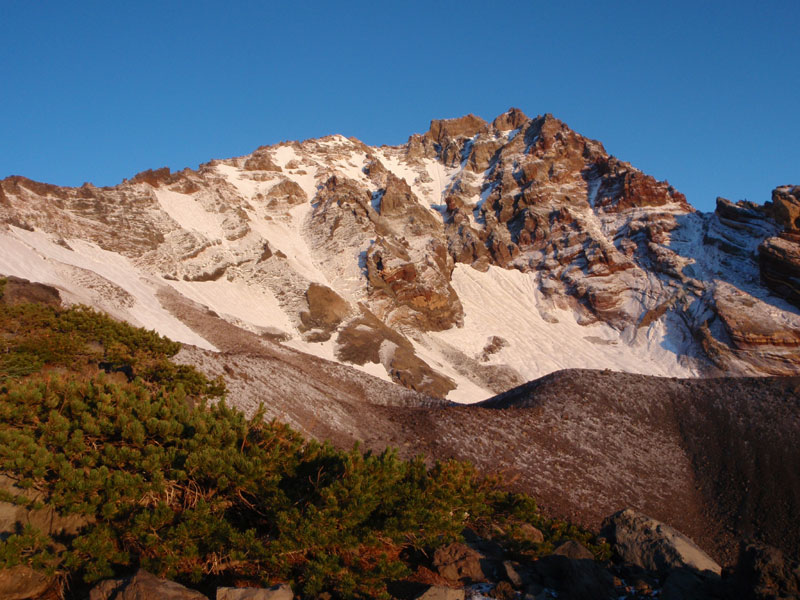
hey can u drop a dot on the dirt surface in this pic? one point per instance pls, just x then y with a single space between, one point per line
717 458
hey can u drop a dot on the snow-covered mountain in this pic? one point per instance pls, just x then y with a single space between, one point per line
472 258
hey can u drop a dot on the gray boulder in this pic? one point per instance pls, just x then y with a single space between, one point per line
654 546
142 586
276 592
440 592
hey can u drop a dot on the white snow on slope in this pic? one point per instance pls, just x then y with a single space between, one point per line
237 299
34 256
285 234
504 303
190 214
246 186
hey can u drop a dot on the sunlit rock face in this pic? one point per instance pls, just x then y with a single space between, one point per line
408 261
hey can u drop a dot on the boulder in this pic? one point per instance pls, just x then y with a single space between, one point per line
577 579
684 584
518 574
574 550
276 592
647 543
764 573
21 582
326 308
502 591
143 586
459 563
440 592
47 520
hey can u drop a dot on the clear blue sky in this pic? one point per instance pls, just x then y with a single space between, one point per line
704 94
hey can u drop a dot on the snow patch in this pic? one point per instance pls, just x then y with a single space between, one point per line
190 214
34 256
504 303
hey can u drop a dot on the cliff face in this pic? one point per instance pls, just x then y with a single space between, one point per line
468 260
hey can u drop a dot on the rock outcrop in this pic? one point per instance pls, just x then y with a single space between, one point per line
23 583
654 546
786 206
779 259
140 586
424 236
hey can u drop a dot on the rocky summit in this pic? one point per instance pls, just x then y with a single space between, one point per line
471 259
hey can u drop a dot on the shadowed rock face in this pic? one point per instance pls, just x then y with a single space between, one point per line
779 258
20 291
601 244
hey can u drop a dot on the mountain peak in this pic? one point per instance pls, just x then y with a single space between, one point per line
472 258
513 118
466 126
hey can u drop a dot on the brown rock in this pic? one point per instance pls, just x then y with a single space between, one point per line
628 189
440 592
763 572
513 118
420 146
21 583
366 339
577 579
459 563
397 198
481 154
740 212
276 592
416 292
654 546
143 586
786 206
260 160
503 591
574 550
326 308
750 323
154 177
779 264
19 291
531 533
47 520
444 130
286 193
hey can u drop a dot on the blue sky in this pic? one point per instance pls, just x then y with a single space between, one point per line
704 94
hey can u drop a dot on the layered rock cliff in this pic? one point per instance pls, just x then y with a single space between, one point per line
470 259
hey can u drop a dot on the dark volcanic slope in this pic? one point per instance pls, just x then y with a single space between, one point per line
716 458
740 435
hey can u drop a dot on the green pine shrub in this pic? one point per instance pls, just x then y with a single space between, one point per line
166 476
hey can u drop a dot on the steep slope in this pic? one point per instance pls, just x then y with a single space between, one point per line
470 259
715 458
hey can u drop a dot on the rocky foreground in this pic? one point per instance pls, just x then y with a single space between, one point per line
649 560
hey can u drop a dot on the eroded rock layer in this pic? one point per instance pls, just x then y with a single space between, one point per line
409 261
